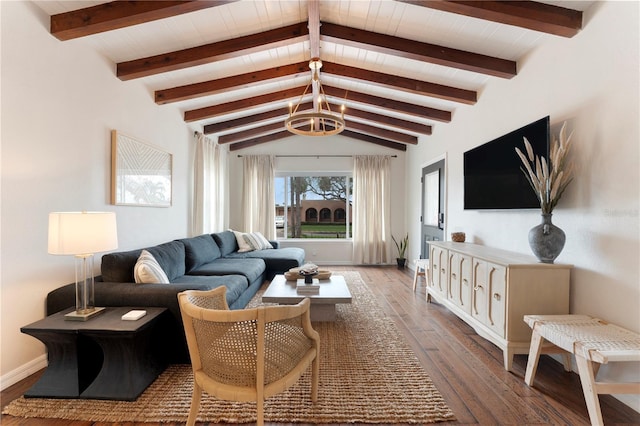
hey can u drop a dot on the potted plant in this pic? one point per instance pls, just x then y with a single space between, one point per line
402 248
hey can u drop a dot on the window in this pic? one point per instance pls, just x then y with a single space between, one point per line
314 206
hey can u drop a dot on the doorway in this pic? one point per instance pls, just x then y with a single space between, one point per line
433 214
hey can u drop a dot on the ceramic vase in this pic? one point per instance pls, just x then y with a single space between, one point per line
546 240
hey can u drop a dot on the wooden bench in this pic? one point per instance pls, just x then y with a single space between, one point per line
422 270
593 342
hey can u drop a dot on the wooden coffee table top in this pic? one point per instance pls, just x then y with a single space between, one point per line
333 290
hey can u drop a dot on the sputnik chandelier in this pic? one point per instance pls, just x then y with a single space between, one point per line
321 121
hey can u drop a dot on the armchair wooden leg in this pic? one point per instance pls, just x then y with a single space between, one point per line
315 378
260 409
195 405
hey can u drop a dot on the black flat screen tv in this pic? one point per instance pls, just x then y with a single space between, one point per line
492 175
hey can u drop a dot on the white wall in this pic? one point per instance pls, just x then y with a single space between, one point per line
332 252
59 104
591 81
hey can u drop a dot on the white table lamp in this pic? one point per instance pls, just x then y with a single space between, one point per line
81 234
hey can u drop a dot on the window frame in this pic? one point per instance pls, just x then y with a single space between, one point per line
349 196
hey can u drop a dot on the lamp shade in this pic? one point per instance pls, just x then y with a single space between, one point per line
75 233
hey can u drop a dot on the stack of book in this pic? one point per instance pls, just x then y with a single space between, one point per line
307 289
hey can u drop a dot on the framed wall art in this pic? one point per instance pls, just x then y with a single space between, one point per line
140 173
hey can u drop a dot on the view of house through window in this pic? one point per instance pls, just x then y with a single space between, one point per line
313 206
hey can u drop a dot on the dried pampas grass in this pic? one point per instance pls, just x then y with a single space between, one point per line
548 177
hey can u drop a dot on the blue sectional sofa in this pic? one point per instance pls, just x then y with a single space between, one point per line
198 263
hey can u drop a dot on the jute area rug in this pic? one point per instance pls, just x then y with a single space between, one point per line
368 374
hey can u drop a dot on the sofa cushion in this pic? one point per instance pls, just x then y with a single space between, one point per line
200 250
250 268
147 270
118 267
277 261
171 257
235 284
226 241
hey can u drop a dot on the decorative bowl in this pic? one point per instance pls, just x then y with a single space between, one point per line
458 237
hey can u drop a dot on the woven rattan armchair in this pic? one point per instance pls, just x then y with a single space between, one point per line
247 354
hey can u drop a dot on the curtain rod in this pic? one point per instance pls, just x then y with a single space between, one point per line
316 156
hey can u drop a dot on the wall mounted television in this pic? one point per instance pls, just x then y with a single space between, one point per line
492 175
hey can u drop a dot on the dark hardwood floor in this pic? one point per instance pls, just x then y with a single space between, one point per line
466 369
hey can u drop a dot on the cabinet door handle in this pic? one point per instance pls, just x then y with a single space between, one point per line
496 296
477 287
465 281
454 276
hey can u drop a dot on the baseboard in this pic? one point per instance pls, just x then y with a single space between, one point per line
22 372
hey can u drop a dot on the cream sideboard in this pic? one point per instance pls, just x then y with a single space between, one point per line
492 290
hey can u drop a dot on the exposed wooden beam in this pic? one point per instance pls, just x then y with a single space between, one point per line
374 140
526 14
227 84
418 51
395 82
120 14
314 27
254 119
241 104
398 123
251 133
314 48
381 133
259 140
212 52
390 104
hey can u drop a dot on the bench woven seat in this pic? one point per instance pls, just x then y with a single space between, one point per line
593 342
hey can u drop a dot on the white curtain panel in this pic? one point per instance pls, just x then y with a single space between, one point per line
372 209
209 187
258 201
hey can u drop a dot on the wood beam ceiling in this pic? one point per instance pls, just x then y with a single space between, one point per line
417 111
357 127
120 14
260 128
281 113
526 14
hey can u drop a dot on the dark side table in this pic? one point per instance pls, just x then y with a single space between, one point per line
102 358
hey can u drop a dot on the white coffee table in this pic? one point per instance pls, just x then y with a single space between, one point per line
323 305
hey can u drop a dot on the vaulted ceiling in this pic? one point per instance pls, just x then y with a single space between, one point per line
401 68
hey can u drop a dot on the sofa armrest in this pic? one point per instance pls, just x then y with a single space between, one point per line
275 244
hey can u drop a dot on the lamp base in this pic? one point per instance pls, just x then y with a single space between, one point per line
76 316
